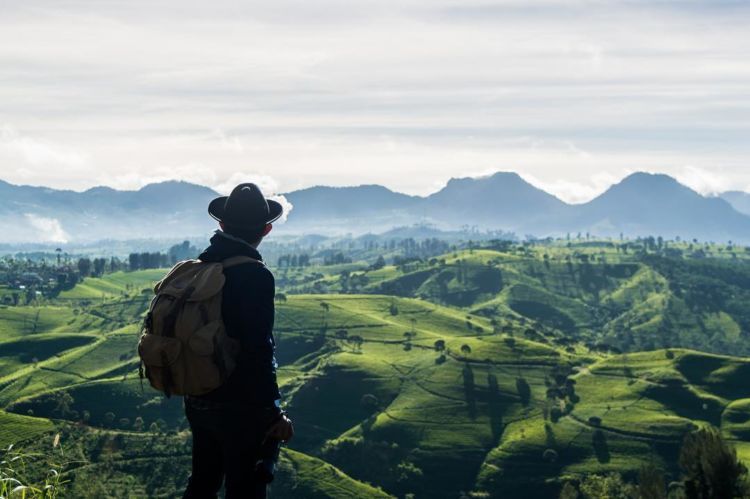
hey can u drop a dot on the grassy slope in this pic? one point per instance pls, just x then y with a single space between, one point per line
16 429
115 284
439 424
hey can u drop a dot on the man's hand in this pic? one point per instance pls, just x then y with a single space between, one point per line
282 429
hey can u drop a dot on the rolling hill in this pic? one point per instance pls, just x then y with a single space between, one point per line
495 373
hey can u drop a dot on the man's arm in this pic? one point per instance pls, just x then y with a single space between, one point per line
250 315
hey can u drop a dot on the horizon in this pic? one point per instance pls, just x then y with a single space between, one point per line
267 186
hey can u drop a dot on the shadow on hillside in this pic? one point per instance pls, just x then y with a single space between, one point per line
469 393
601 449
494 406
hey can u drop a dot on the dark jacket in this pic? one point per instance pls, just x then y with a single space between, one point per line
248 311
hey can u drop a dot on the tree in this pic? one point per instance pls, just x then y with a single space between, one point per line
99 264
84 266
439 345
569 491
465 349
109 417
63 403
609 486
651 483
342 334
379 263
356 341
710 467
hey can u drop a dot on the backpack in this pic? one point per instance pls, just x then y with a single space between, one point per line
184 346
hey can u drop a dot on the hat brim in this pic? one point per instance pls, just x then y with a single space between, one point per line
216 210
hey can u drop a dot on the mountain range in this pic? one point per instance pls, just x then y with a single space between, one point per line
639 205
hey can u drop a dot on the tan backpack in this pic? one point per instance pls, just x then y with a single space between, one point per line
184 346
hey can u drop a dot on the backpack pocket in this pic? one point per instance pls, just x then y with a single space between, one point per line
161 357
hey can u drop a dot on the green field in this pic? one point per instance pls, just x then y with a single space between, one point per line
494 372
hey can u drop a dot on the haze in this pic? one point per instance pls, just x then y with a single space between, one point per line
573 95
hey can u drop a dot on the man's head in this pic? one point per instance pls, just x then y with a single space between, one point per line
245 213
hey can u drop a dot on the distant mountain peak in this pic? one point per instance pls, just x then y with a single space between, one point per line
168 186
649 184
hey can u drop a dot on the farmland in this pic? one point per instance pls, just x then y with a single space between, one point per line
498 370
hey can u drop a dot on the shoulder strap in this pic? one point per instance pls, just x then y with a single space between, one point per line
239 259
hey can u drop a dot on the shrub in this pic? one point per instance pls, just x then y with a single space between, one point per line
549 455
555 414
595 421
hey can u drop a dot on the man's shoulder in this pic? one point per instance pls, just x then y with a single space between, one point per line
256 271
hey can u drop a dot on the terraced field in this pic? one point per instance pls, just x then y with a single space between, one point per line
493 381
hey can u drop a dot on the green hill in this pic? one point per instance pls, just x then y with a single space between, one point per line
603 294
501 377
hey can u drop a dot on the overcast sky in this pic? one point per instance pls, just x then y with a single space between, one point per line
573 95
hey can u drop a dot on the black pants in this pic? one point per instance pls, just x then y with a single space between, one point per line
226 444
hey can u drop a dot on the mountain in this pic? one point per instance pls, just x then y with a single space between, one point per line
343 209
641 204
739 200
657 204
166 209
502 201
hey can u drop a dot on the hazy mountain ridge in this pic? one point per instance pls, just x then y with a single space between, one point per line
739 200
640 204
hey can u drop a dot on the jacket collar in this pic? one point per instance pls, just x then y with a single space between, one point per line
225 245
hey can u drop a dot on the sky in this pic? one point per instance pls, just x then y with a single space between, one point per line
573 95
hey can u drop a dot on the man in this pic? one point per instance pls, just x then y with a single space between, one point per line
233 422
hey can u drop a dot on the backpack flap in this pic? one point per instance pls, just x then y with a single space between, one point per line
204 280
204 340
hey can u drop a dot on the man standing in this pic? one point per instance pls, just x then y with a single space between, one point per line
233 423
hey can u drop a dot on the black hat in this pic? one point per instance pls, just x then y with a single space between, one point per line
245 208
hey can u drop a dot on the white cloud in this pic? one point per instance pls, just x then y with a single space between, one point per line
36 152
404 93
703 180
575 192
48 229
267 185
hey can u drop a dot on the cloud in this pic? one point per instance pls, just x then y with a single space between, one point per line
575 192
403 93
285 204
267 184
703 180
49 229
38 152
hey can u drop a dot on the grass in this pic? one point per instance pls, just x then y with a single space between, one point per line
113 285
316 478
394 411
16 428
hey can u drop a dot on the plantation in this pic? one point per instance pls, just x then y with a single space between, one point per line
499 371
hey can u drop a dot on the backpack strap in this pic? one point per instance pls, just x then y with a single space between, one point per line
239 259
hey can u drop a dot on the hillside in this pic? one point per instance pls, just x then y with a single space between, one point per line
618 296
496 389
